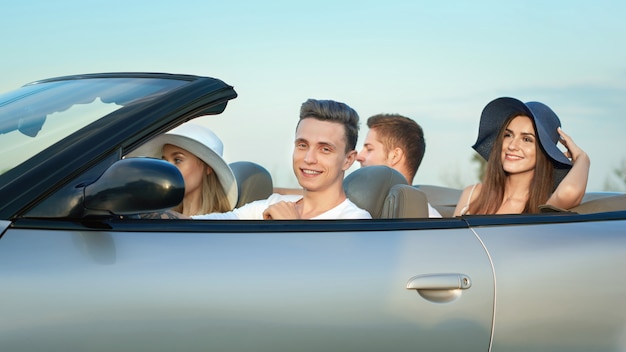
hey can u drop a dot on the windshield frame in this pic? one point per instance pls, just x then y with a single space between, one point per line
115 134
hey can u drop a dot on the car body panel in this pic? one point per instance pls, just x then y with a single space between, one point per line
232 290
559 287
3 226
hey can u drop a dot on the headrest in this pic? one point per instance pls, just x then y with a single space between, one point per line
254 182
405 202
368 187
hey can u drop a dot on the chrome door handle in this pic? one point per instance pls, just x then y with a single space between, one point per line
439 288
439 282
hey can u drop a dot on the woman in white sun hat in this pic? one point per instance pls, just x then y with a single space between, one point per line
210 184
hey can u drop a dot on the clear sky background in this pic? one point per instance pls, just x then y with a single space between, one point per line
438 62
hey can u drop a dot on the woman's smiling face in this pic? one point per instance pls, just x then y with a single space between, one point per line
519 146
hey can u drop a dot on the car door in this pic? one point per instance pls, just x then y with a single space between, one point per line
560 283
244 285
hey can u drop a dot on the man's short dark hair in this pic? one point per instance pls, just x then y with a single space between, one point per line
333 111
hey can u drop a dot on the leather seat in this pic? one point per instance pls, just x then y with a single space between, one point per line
384 193
405 202
254 182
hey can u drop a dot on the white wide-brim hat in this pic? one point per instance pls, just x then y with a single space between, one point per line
201 142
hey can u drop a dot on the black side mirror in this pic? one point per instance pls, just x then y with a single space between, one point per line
135 185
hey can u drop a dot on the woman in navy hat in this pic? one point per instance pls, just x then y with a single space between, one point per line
525 167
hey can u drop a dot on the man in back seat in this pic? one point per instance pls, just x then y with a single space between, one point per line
398 142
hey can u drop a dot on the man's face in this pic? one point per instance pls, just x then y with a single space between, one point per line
373 152
319 154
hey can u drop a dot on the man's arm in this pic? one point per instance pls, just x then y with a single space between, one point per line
281 211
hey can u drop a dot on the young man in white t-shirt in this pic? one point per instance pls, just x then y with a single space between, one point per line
324 149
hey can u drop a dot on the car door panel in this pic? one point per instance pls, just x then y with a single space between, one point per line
559 286
233 291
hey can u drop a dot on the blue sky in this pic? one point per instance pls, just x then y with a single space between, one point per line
438 62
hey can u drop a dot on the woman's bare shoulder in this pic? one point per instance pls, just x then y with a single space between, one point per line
469 193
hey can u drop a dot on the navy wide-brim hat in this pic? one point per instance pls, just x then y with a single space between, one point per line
546 122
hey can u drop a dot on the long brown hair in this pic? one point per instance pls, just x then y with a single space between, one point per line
214 199
492 192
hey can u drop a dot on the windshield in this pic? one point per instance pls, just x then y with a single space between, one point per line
34 117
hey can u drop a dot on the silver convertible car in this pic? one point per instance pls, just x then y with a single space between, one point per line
81 271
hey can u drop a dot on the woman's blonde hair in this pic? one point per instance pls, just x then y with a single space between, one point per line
213 198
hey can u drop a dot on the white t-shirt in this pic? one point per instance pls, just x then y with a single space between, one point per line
254 210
